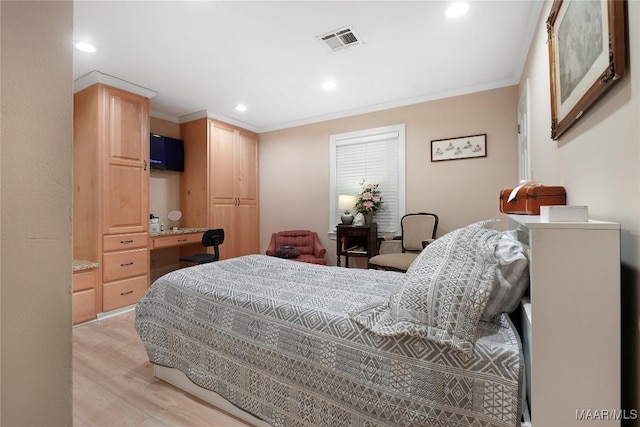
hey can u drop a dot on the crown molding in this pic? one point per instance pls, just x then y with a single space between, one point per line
164 116
193 116
94 77
205 113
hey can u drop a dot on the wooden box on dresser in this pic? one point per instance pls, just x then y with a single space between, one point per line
111 186
219 185
575 302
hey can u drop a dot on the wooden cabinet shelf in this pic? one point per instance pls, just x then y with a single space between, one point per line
359 241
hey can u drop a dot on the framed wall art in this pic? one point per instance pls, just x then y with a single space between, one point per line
464 147
587 52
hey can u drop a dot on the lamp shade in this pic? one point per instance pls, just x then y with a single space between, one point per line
346 202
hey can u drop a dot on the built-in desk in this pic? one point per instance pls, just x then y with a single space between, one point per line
166 247
172 238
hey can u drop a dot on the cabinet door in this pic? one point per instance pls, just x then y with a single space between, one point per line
84 296
127 127
246 161
126 172
221 165
84 306
223 216
240 224
247 229
126 203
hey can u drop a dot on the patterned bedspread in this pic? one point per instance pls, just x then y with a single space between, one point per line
274 337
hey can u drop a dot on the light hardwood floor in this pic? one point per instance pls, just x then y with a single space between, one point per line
113 383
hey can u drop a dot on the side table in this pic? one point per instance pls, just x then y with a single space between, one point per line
356 241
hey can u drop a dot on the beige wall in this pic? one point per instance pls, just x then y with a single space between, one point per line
294 164
598 160
35 281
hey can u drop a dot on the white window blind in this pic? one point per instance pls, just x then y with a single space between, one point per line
375 156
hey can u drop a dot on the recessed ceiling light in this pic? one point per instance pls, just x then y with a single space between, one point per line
329 85
85 47
456 10
241 107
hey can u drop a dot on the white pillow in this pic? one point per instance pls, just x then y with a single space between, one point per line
512 276
445 292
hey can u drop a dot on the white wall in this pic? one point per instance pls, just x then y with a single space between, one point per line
598 161
36 248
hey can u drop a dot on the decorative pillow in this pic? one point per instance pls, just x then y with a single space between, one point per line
512 277
445 292
486 223
287 251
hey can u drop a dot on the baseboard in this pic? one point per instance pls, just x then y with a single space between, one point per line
116 312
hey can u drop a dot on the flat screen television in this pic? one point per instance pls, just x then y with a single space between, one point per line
166 153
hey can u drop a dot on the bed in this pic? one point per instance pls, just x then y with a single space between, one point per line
296 344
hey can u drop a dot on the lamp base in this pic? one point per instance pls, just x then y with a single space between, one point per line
347 219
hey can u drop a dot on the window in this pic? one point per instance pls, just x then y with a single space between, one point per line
375 156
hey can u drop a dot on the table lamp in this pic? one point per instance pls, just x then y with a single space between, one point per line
345 203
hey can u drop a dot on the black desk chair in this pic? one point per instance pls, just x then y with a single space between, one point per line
210 238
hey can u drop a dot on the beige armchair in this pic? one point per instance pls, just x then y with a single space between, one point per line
418 230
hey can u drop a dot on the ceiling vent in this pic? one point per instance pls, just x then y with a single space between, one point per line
341 39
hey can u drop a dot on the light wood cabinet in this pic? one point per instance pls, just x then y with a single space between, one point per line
111 186
84 296
175 240
126 177
123 264
219 187
121 293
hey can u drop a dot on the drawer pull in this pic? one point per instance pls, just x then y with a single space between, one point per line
126 293
126 264
182 240
124 242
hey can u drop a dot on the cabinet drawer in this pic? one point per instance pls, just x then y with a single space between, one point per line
84 306
123 264
123 292
120 242
84 280
176 240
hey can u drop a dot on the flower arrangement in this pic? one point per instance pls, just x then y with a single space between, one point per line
368 200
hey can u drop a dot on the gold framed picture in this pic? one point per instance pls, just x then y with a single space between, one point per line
587 52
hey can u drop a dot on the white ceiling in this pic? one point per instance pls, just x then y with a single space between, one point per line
211 55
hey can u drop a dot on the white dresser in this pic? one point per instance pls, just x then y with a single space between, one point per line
575 302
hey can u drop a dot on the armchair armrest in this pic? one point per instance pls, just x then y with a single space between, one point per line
318 250
272 246
426 242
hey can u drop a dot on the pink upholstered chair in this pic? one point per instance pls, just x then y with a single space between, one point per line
305 242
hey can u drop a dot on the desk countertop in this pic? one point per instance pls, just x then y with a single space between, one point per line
80 264
185 230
